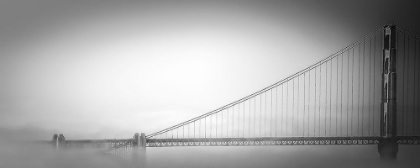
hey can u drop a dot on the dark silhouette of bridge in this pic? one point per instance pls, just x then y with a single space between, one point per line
365 94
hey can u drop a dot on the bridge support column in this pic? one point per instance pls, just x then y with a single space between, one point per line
58 141
139 150
388 146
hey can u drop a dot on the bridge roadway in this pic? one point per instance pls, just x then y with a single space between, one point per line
263 141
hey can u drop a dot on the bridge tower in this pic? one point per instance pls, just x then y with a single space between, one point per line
139 150
388 146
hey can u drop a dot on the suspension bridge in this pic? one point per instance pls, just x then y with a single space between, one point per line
365 94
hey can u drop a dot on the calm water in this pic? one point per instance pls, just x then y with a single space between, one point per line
16 155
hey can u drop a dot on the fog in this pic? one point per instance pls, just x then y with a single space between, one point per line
19 150
95 69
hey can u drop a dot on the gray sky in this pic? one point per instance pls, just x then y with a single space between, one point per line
108 69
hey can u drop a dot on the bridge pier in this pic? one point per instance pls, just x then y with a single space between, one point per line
388 149
58 141
388 146
139 150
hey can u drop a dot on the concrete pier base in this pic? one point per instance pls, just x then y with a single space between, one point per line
388 149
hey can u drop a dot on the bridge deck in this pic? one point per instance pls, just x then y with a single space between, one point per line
275 141
264 141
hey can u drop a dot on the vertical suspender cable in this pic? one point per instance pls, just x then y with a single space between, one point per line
243 119
271 110
358 88
227 123
249 119
341 94
363 83
406 65
217 122
221 125
255 114
239 111
265 113
233 119
374 80
352 96
304 102
309 99
297 107
403 105
418 89
211 124
408 86
199 128
260 115
374 85
369 89
326 98
293 103
287 103
415 107
275 121
320 92
282 105
336 102
330 94
414 81
315 105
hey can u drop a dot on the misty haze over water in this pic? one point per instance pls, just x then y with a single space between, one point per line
17 152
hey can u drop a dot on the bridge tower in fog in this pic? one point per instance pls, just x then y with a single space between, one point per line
352 97
388 146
